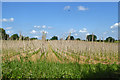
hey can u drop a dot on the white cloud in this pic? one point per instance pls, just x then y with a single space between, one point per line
115 25
66 7
12 19
36 26
33 32
43 31
83 30
82 8
8 27
44 26
9 32
8 20
4 20
72 31
75 34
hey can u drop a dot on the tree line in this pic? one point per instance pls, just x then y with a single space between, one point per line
90 37
5 36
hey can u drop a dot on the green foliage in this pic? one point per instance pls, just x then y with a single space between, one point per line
3 34
42 69
78 39
57 55
71 38
14 37
54 38
89 37
26 38
42 55
116 41
110 39
99 40
33 38
47 40
6 36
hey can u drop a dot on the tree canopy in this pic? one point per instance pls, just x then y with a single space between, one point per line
3 34
33 38
54 38
71 38
14 37
78 39
89 37
26 38
110 39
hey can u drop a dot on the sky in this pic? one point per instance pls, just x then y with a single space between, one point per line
61 18
60 0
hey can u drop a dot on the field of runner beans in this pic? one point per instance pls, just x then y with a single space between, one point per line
59 59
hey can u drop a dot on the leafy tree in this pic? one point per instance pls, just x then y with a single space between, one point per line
89 37
71 38
110 39
6 36
54 38
78 39
33 38
47 39
3 34
14 37
26 38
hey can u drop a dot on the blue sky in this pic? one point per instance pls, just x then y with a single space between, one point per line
60 0
60 18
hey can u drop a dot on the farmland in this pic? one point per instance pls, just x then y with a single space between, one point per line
59 59
59 39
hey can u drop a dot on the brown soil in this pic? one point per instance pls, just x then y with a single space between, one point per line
52 56
70 58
